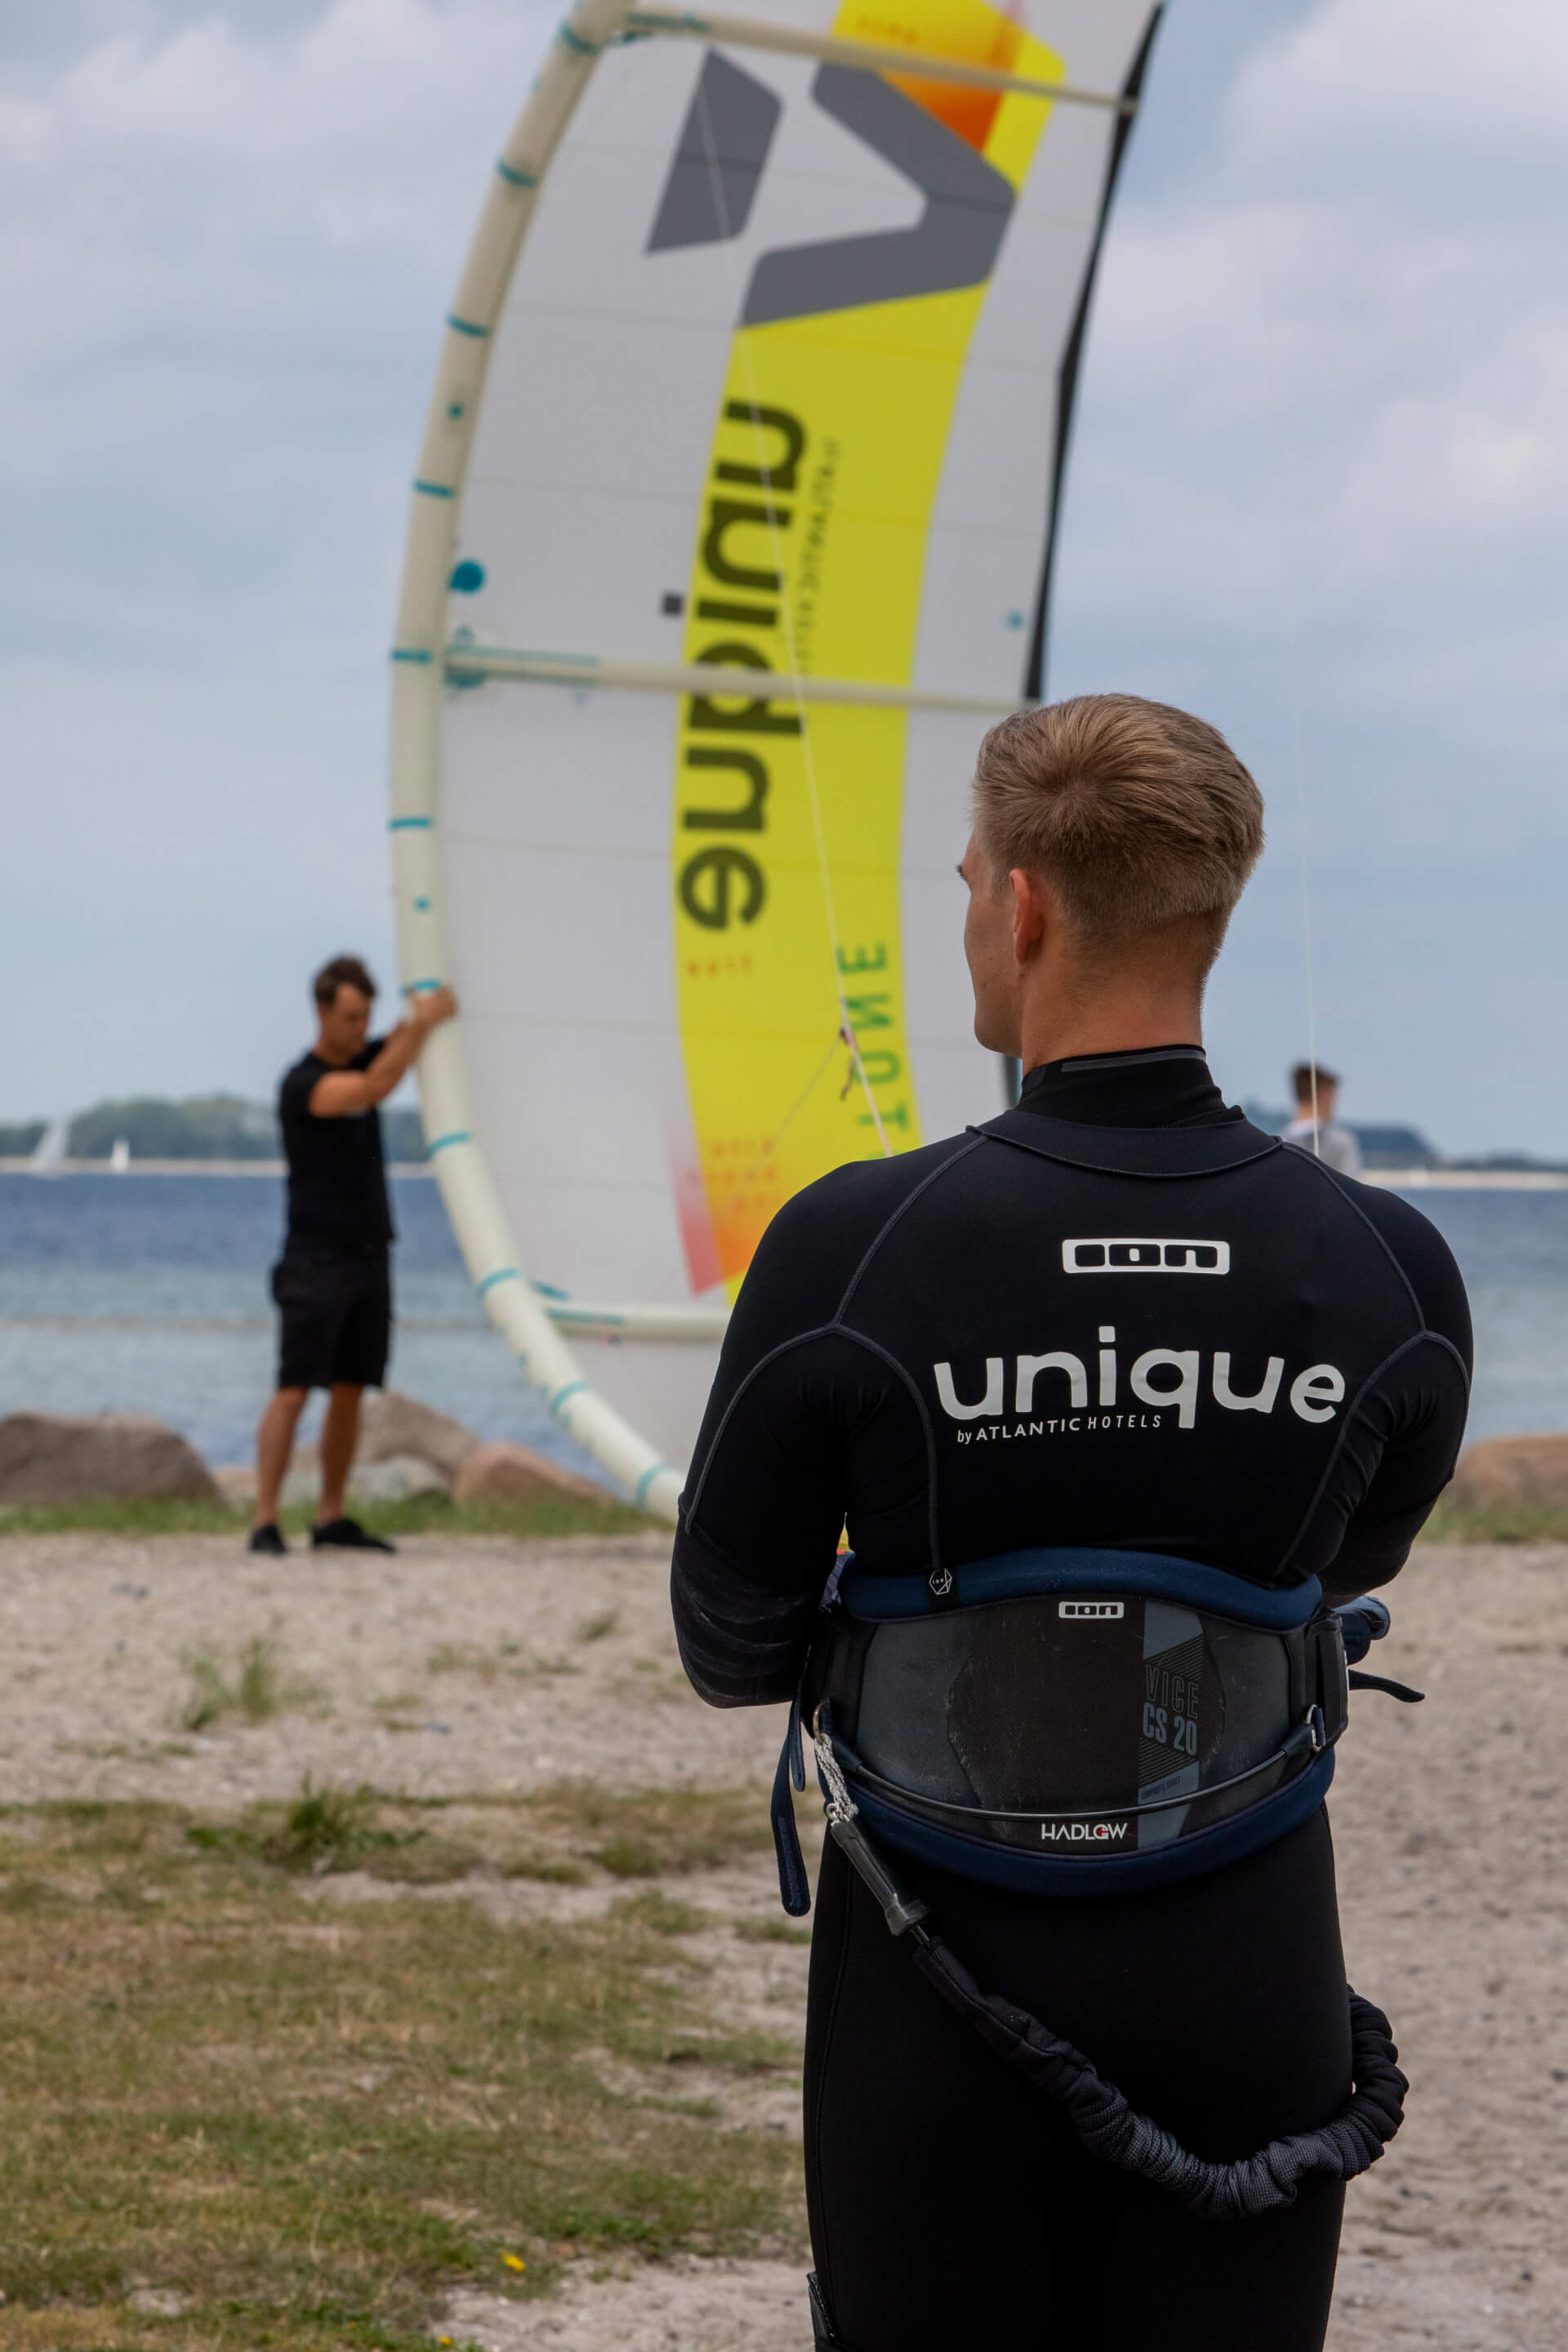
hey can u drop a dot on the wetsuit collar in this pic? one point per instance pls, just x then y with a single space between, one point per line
1150 1085
1154 1112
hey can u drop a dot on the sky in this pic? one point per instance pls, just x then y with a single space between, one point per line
1318 493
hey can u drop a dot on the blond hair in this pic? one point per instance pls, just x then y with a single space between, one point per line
1140 815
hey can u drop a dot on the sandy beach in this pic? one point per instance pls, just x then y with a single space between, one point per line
484 1667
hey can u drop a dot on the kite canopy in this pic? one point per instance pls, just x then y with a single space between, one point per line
731 534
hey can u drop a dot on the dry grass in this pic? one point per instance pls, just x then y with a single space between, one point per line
415 1515
1496 1523
272 2126
259 1687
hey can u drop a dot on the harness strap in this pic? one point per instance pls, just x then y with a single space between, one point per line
1382 1683
1107 2126
1308 1738
795 1887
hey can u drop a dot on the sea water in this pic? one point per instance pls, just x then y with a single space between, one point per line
148 1294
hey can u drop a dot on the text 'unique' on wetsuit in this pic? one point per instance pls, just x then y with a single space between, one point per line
1122 1317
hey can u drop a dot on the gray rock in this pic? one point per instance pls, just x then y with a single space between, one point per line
236 1481
395 1480
393 1425
515 1474
53 1457
1500 1472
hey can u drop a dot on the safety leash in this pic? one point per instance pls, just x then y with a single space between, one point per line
1105 2125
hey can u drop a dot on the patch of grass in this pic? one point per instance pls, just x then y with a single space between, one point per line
159 1516
1497 1523
415 1515
657 1912
645 1832
310 2125
554 1874
507 1658
594 1629
629 1857
771 1931
328 1830
561 1835
259 1689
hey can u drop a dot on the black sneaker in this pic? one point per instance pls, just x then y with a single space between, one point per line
269 1538
347 1535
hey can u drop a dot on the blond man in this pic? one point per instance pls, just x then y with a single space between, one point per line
1115 1343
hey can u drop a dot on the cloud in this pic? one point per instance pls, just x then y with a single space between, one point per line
1319 489
228 237
230 247
1358 84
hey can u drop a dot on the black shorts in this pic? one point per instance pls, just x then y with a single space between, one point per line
337 1318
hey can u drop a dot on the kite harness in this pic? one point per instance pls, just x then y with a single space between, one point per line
1075 1722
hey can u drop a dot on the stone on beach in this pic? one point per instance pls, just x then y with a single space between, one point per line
394 1426
56 1458
1528 1471
514 1473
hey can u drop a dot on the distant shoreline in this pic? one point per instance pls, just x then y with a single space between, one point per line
275 1168
1389 1180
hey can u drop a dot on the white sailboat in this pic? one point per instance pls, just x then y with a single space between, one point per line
49 1153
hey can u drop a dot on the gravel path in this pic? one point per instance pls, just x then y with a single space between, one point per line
483 1665
488 1665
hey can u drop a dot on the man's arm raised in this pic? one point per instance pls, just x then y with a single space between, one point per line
342 1093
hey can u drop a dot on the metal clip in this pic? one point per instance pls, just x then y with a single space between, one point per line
1317 1728
840 1805
901 1910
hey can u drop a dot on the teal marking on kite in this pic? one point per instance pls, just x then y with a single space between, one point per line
576 43
570 1389
412 988
517 179
409 825
434 491
422 906
410 654
501 1274
550 1290
467 577
645 1481
458 1135
465 326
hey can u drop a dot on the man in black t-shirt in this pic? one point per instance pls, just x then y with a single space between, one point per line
331 1283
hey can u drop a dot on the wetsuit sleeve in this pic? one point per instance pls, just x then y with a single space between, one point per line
1415 1416
763 1506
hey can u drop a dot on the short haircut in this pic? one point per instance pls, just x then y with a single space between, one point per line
1301 1078
343 971
1140 815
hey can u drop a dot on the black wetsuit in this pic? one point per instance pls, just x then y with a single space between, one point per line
1253 1363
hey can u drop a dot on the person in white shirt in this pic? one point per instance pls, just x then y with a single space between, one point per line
1313 1127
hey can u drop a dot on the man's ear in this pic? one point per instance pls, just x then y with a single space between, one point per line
1033 909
